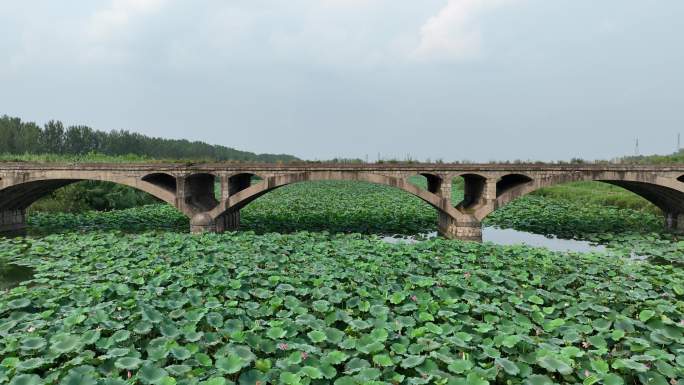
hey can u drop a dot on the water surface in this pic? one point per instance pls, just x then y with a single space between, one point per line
514 237
508 237
13 275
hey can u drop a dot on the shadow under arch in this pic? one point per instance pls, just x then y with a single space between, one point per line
511 181
248 195
473 189
240 181
163 180
198 193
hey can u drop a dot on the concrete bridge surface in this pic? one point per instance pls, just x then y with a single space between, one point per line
190 187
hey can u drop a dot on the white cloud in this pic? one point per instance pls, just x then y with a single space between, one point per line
455 33
350 4
107 22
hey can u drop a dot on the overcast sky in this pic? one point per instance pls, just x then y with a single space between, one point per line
452 79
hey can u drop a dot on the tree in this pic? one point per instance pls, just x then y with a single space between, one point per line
17 137
52 138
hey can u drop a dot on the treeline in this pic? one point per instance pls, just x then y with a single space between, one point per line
18 137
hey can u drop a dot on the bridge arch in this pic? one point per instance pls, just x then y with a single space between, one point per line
197 193
162 180
433 182
474 186
19 195
665 193
240 181
244 197
509 182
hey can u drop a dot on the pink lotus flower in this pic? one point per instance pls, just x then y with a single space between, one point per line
282 346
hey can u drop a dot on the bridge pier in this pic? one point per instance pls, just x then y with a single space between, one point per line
464 231
12 222
204 223
229 221
675 222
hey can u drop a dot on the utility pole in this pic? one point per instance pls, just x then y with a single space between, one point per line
636 147
679 142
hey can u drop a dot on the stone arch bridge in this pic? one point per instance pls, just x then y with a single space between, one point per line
190 187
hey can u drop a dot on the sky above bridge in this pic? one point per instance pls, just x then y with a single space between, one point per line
452 79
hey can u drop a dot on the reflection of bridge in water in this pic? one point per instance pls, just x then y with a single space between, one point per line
190 188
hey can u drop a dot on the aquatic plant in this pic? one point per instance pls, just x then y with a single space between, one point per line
312 308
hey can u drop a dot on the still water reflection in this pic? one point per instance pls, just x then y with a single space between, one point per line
13 275
514 237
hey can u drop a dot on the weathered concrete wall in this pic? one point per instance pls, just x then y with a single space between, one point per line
465 230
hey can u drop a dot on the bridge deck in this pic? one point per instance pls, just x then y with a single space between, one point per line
228 166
